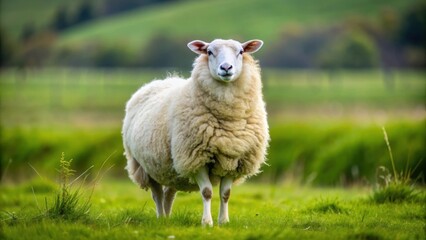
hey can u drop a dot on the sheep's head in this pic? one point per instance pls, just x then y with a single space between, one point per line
225 56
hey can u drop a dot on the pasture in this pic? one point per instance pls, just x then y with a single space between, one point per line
326 147
79 112
120 210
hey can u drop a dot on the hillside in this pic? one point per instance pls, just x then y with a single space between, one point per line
241 19
16 14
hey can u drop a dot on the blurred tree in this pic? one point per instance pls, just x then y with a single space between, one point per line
27 32
385 35
112 56
60 20
36 51
413 27
75 55
7 49
85 12
111 7
297 48
165 51
389 22
354 49
412 36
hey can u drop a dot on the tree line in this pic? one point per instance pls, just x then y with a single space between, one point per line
394 41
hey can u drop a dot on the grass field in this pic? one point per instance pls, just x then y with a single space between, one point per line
320 122
70 94
120 210
326 135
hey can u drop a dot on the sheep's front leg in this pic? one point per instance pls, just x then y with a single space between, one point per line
225 193
206 191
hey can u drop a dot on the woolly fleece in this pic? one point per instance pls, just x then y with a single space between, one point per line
175 126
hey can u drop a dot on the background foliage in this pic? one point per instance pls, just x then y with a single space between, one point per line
103 33
334 73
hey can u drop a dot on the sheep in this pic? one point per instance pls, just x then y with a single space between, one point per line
187 135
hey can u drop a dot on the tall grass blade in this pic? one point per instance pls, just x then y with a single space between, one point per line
390 154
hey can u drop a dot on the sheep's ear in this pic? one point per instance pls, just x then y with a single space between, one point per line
198 46
252 46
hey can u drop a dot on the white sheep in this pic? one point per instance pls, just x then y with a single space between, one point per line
191 134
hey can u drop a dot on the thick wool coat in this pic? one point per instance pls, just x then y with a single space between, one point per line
175 126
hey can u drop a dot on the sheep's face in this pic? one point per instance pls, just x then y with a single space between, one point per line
225 56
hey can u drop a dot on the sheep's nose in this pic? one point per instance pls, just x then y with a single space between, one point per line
225 66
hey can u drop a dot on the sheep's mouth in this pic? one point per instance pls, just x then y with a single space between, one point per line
226 76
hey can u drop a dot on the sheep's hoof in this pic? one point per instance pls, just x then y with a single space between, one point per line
207 222
223 221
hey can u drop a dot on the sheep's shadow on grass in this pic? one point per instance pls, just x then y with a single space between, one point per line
365 236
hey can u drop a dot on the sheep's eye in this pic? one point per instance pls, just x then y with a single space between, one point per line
241 52
209 52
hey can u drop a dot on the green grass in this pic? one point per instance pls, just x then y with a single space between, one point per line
315 123
68 203
341 153
394 193
257 211
397 186
354 151
242 19
62 95
53 96
368 89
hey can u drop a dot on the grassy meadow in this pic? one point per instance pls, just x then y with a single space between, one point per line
326 136
119 210
79 112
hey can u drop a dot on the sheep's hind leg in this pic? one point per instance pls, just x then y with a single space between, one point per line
157 195
169 197
225 193
206 191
